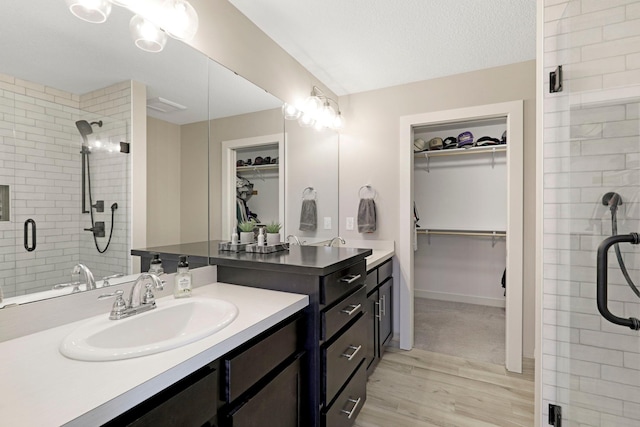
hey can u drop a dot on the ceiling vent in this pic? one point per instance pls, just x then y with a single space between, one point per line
164 105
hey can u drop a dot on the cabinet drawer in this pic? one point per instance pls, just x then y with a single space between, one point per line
342 357
372 280
277 404
345 409
249 366
385 271
335 285
346 310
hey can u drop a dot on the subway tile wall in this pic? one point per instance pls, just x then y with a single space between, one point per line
591 146
40 161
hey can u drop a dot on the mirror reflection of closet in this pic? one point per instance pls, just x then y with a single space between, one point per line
252 182
257 184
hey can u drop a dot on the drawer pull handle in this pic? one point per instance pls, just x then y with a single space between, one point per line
355 307
352 355
383 310
350 278
378 311
355 405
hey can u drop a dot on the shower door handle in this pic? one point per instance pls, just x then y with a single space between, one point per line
601 279
32 223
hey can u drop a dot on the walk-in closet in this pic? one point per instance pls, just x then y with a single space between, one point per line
466 201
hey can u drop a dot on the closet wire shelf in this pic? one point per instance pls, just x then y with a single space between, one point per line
467 233
461 151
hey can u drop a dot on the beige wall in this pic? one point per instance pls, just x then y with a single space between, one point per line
230 38
369 154
163 184
193 182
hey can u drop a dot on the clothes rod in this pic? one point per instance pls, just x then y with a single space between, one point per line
463 233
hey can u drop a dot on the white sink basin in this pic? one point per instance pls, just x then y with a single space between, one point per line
173 323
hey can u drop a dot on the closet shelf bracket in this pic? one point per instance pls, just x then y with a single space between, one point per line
426 156
493 158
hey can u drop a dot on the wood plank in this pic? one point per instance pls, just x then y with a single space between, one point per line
419 388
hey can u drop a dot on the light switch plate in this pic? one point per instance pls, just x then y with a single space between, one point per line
349 225
327 223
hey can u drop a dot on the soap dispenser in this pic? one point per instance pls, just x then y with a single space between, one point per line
155 267
261 237
182 288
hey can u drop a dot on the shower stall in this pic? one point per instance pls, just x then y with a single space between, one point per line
66 168
589 166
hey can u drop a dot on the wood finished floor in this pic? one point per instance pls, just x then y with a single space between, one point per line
418 388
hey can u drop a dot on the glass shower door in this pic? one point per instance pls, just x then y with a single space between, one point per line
591 146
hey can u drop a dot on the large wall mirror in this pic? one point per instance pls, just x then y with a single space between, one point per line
70 93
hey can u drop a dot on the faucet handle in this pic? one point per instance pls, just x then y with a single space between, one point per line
119 305
148 297
105 280
76 286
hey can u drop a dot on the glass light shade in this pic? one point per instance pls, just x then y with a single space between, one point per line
180 19
306 120
123 3
146 35
290 112
94 11
327 115
311 105
338 122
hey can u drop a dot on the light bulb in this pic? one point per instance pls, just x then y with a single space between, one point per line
94 11
306 120
327 115
311 105
146 35
290 112
180 19
338 122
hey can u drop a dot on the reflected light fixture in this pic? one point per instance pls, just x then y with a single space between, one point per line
94 11
147 35
153 20
316 111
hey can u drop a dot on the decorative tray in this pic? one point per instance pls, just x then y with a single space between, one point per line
267 249
232 247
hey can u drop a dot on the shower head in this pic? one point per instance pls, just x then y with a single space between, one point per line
612 200
85 128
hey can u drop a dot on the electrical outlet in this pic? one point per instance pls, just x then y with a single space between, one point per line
327 223
349 223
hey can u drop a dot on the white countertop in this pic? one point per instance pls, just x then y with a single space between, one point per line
39 386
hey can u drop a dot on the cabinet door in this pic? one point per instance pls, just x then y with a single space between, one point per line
372 328
386 315
277 404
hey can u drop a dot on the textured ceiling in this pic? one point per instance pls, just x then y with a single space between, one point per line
358 45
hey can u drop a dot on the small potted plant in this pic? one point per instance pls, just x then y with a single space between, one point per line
273 233
246 231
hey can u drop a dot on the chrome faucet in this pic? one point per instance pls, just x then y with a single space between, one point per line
294 238
334 239
88 276
137 303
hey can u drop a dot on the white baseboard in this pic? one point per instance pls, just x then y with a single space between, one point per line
468 299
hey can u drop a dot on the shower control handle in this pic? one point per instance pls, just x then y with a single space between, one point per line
601 279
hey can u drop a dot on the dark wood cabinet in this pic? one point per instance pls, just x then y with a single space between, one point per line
257 384
380 312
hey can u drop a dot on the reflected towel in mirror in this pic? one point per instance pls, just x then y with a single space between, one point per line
308 216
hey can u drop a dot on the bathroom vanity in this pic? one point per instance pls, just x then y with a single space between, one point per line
336 325
223 379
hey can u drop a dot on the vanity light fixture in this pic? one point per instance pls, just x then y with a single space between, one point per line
94 11
152 22
316 111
